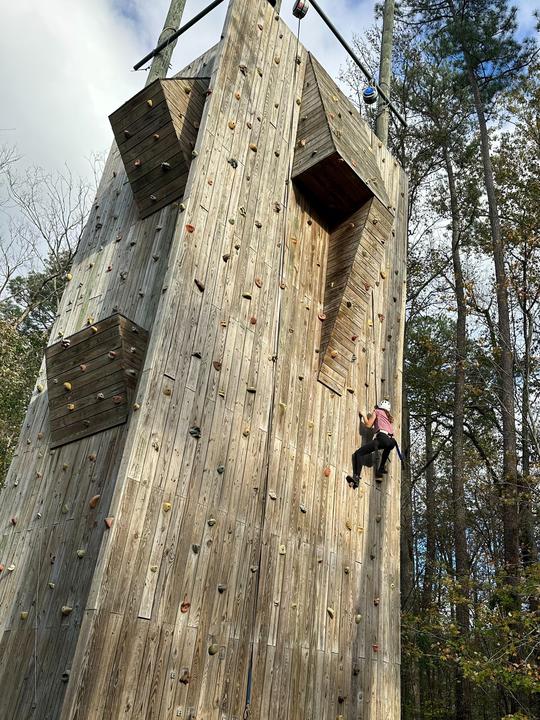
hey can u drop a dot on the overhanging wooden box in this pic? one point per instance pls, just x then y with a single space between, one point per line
156 132
92 377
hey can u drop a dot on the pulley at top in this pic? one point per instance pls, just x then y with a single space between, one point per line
300 8
370 95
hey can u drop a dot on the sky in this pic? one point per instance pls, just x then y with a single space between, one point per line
65 65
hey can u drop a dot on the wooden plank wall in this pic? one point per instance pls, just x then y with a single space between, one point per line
240 567
119 267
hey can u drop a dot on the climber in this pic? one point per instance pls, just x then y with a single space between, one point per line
382 421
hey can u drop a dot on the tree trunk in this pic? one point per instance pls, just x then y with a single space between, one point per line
529 550
463 695
505 359
410 683
431 527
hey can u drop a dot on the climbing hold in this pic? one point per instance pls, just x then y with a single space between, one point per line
136 406
253 147
1 568
272 494
282 550
212 521
277 59
94 501
150 102
243 69
303 508
378 519
258 282
39 388
153 568
194 153
221 589
196 355
254 568
111 355
253 320
246 432
127 134
66 610
118 399
334 353
232 124
375 647
346 569
231 221
195 548
108 522
302 143
94 329
69 276
137 163
64 510
184 607
331 612
195 431
358 619
165 166
167 506
184 679
11 568
81 554
24 615
199 284
190 228
167 391
13 521
246 296
376 601
233 163
226 257
100 396
213 649
322 317
52 585
67 386
326 472
252 390
348 524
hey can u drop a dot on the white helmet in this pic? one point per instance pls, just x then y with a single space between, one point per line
384 405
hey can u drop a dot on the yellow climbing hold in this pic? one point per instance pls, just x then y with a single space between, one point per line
167 506
66 610
67 386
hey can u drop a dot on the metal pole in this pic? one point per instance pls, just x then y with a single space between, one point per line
175 35
366 72
385 70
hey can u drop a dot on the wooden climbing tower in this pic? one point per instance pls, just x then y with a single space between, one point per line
177 539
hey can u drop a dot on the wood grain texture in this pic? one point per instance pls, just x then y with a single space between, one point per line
240 569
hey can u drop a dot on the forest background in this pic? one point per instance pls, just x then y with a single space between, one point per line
468 82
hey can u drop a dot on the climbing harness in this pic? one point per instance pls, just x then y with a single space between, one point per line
300 9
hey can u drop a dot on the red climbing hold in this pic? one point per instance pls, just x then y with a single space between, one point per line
184 607
190 228
109 522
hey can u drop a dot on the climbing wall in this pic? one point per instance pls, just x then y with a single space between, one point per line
207 556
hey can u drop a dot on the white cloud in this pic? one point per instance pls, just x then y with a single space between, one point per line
65 65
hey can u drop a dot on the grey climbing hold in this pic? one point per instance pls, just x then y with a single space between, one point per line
211 522
213 649
195 431
195 548
221 469
221 589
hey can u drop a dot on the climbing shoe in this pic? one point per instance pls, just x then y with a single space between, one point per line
354 481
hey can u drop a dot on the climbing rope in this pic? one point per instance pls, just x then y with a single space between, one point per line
275 354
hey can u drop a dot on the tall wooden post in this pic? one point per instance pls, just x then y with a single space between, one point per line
177 537
160 63
385 70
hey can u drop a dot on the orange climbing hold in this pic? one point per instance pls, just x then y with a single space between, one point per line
94 501
327 472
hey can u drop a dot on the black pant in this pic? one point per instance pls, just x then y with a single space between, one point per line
381 440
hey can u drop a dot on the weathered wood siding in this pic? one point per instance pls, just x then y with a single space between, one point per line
240 568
